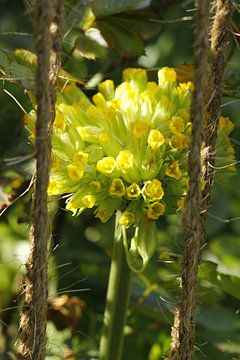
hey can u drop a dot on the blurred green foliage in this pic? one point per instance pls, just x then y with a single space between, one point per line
100 39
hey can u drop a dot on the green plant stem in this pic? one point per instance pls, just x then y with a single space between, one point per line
118 295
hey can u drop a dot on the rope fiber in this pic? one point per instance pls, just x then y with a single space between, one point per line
32 335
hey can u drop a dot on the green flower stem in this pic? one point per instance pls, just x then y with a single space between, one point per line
118 295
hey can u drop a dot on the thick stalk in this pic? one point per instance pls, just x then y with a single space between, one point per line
118 294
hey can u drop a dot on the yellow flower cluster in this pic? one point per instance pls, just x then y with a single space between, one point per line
127 148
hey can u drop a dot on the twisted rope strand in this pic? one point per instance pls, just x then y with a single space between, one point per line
33 339
218 46
183 331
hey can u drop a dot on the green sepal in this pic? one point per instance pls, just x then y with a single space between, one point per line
140 245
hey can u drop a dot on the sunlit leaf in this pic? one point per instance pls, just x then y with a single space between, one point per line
89 48
228 283
78 15
227 249
20 66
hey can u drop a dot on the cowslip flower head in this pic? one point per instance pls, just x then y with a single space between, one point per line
126 150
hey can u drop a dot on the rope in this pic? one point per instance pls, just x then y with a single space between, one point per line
196 208
183 332
33 339
218 46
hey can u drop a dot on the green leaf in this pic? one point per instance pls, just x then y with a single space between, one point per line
108 7
229 347
4 62
89 48
20 66
64 75
141 246
226 247
23 67
160 347
210 319
139 21
25 57
125 41
78 15
59 345
147 240
228 283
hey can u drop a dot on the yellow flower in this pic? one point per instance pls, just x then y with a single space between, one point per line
155 139
99 100
93 134
133 191
127 219
107 207
135 74
125 151
164 103
173 170
55 162
225 123
81 156
96 185
101 215
124 160
184 87
155 210
140 128
107 89
92 112
151 90
53 187
179 141
153 190
106 165
75 171
167 75
83 132
181 203
103 136
117 188
184 113
89 201
59 121
176 125
115 104
71 206
110 113
110 152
